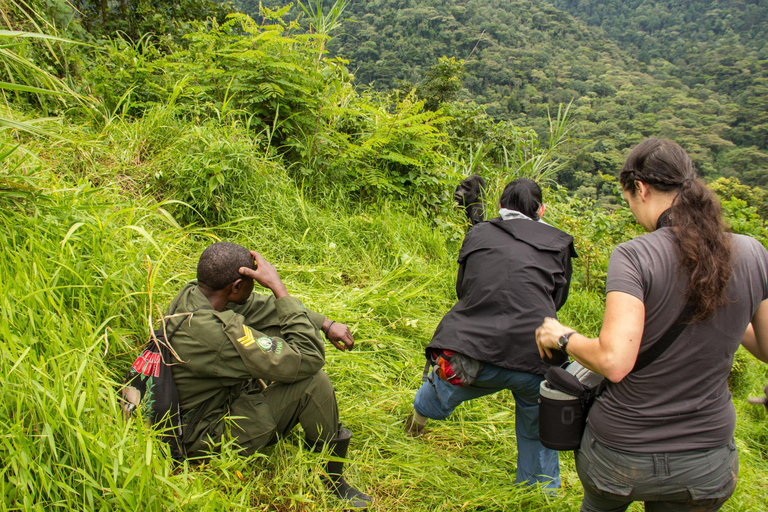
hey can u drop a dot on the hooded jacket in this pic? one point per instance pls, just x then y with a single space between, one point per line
512 274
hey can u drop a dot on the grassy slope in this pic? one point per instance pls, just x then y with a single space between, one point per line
75 297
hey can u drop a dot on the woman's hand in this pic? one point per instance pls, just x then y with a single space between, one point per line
548 335
614 352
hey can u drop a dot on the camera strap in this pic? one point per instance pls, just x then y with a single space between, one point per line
666 340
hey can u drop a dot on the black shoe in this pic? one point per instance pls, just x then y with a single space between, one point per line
341 489
335 481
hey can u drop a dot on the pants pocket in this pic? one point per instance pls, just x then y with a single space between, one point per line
604 471
250 423
616 484
720 481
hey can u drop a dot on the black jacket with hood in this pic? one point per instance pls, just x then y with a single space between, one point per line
512 274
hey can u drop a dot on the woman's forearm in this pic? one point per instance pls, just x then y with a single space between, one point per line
755 338
614 352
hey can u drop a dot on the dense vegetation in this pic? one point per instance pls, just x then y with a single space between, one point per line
121 161
684 70
721 46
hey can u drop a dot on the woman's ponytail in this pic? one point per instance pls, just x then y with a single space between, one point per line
704 246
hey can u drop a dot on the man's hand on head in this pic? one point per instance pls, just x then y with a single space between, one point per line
340 335
266 275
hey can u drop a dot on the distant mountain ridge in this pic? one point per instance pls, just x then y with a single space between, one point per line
522 58
721 45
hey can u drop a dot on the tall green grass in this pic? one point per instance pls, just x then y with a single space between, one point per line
73 296
100 228
110 232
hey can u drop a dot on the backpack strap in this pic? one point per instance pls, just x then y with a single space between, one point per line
167 337
166 322
666 340
187 427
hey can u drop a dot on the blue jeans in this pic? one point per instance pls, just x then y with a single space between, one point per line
535 464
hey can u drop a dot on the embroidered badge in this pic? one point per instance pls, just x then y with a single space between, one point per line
265 343
247 339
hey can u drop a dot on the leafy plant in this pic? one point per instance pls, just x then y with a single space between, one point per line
322 23
347 194
26 79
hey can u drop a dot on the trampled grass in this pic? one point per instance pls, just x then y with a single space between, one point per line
83 268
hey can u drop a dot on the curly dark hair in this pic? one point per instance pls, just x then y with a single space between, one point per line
703 244
220 263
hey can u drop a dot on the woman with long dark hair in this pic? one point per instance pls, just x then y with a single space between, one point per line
513 272
663 434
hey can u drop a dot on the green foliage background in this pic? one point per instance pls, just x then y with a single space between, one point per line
693 71
121 161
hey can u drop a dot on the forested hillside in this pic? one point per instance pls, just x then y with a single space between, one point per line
522 58
132 137
720 46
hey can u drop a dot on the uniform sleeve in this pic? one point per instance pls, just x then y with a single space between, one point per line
624 273
295 354
316 318
260 311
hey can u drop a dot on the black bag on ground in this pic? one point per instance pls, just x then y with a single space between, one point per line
566 395
149 389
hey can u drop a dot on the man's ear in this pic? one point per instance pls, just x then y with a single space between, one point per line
542 209
232 288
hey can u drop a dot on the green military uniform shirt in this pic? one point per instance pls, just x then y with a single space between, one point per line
223 351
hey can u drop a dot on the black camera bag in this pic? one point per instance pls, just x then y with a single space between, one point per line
565 399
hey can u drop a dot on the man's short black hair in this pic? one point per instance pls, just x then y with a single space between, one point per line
219 264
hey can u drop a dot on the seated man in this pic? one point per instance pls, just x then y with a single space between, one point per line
230 341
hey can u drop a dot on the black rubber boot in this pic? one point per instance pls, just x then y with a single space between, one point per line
335 481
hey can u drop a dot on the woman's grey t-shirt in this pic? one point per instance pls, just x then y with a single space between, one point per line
681 400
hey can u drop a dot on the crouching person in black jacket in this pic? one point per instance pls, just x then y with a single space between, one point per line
514 271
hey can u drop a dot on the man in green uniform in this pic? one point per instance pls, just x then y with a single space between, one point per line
252 364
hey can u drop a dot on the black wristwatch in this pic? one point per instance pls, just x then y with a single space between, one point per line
562 343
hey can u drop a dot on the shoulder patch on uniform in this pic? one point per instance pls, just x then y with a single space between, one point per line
264 343
247 339
270 345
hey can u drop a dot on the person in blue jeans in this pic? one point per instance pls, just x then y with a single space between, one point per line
514 271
